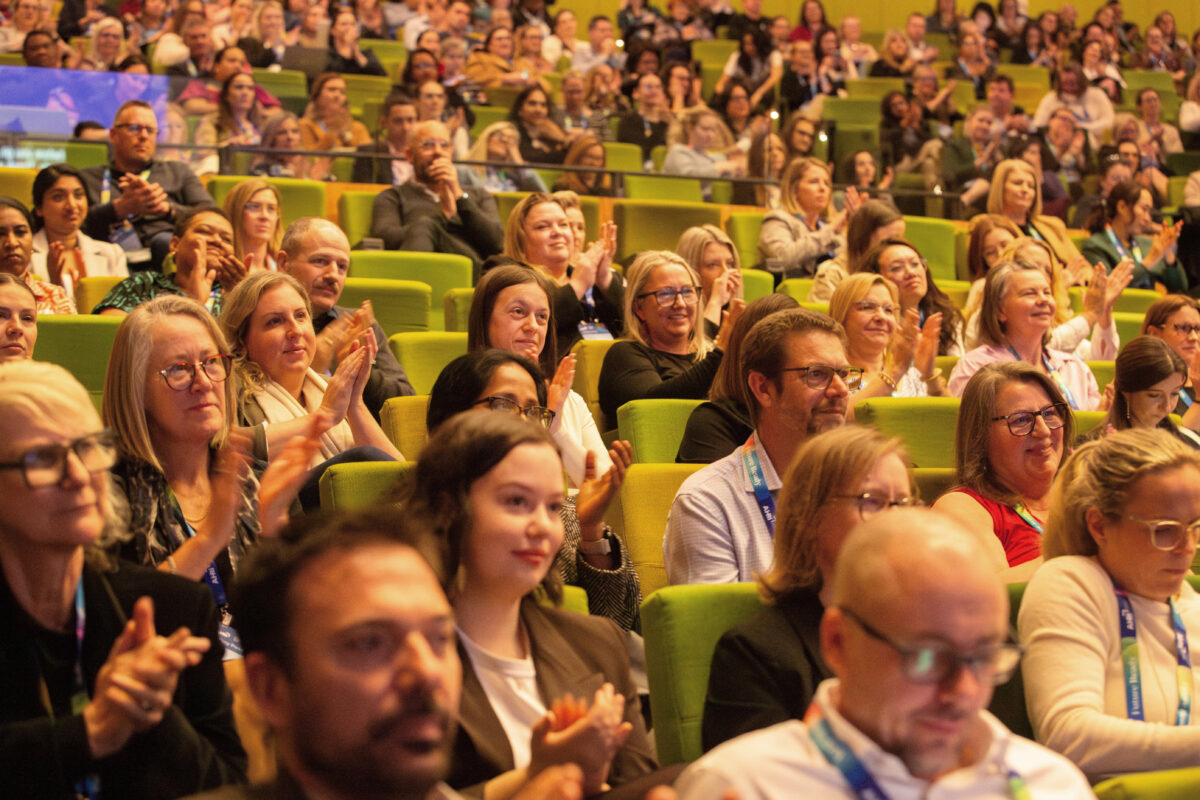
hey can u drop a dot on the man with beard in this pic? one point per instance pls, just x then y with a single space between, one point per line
351 658
722 523
316 252
917 637
432 212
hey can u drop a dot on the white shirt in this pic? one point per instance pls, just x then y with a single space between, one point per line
782 761
1074 684
715 530
511 687
99 258
575 431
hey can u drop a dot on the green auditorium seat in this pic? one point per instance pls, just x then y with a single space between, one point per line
654 427
934 239
456 308
657 224
423 354
403 421
442 271
399 305
659 187
743 228
79 342
925 425
354 214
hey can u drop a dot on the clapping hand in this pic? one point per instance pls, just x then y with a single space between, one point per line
590 741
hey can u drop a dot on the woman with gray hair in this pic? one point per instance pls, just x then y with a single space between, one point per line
1015 321
111 672
1105 621
1013 428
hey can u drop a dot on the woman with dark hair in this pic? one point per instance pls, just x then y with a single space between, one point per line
239 117
493 65
737 111
944 19
1118 229
345 55
905 141
902 264
327 123
62 253
756 63
542 140
799 135
586 151
592 556
16 253
282 132
1014 427
874 222
765 160
812 21
420 67
1146 388
1031 47
721 424
491 487
860 171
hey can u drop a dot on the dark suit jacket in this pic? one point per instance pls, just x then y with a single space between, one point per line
194 748
765 670
1098 249
180 183
632 129
387 378
373 170
476 226
573 653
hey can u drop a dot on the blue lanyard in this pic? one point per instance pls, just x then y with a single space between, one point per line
864 785
766 503
106 183
1024 513
1133 246
1131 662
1186 399
1055 374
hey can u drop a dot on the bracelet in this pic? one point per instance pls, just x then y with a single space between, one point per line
937 373
888 379
171 565
600 547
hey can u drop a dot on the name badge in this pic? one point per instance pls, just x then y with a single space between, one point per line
594 330
126 238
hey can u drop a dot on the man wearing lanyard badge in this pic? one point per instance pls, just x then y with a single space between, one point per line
135 199
918 636
722 523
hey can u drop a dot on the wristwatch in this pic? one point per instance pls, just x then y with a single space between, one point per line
600 547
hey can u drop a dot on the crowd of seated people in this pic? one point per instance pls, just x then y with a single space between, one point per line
238 389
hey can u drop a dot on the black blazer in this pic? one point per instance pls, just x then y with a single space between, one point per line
765 670
194 748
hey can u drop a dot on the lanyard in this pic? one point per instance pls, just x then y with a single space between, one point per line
1024 513
864 785
211 576
1055 374
106 183
1133 246
1186 399
766 503
1131 662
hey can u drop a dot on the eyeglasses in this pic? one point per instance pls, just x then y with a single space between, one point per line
1186 330
181 376
871 503
47 465
936 662
137 130
909 265
255 208
1020 423
1166 534
819 376
539 414
434 144
666 297
870 307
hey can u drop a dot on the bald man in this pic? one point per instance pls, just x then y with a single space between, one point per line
917 637
431 212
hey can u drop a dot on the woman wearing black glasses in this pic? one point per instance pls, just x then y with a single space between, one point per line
1107 621
1176 320
666 352
1013 427
110 673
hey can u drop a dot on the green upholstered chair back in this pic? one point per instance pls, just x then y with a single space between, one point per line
640 516
589 359
91 290
486 115
17 183
361 484
657 224
934 239
403 422
442 271
956 290
354 214
1104 371
1008 700
796 288
622 156
399 305
933 482
1131 301
299 198
654 427
1129 325
1170 784
743 228
456 309
81 344
424 354
756 283
925 425
660 187
1087 420
682 625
